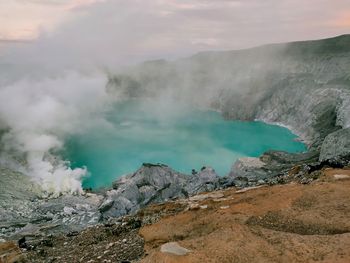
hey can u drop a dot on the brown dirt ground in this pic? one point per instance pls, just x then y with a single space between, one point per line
10 253
105 243
283 223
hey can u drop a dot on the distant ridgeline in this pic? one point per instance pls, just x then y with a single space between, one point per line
303 85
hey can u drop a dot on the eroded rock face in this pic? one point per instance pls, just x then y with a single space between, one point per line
336 146
307 107
154 183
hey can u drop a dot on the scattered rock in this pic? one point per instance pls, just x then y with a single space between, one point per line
341 176
201 197
222 199
69 210
193 206
174 248
249 189
73 234
102 243
106 205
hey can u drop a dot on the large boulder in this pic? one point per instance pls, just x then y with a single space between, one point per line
204 181
149 184
247 170
336 146
248 167
154 183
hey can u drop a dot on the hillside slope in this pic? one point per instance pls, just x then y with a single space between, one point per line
303 85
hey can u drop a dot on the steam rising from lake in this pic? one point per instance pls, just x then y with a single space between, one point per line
62 85
176 134
37 114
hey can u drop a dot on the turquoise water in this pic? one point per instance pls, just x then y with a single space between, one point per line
183 138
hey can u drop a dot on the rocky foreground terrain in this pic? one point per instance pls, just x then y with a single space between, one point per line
293 222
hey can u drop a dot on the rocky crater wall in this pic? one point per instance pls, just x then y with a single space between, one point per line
302 85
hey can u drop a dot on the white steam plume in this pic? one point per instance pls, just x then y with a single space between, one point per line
37 114
50 88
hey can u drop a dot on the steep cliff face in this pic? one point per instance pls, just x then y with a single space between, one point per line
303 85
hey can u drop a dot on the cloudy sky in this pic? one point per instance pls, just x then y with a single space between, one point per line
143 29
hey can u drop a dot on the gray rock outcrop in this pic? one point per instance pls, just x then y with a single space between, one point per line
246 167
269 167
205 181
154 183
247 170
336 146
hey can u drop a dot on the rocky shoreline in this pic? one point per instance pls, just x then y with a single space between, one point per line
32 215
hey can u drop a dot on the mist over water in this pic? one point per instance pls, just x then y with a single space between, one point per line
56 118
182 137
54 99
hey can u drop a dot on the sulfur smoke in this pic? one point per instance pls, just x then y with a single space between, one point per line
61 83
54 87
37 114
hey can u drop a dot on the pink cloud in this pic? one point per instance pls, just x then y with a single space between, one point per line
79 3
343 20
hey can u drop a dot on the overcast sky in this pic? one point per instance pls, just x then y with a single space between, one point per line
144 29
